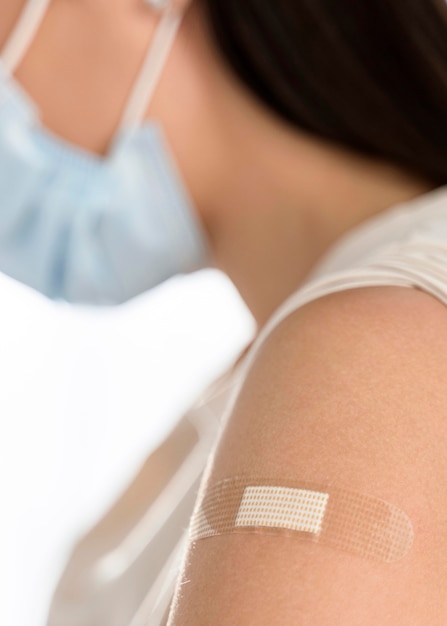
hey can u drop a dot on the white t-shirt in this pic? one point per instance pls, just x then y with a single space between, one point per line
406 246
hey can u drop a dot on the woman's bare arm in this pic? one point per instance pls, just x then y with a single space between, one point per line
350 390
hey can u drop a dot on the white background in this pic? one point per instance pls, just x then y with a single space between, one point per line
85 395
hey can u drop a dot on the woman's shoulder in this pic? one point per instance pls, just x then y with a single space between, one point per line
344 387
349 391
356 328
405 246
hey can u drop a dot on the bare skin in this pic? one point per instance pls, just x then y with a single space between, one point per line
349 390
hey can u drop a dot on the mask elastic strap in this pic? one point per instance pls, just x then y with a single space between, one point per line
153 65
23 35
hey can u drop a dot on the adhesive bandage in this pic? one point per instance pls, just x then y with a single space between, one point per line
352 521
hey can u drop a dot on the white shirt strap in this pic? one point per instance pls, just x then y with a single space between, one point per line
23 34
153 65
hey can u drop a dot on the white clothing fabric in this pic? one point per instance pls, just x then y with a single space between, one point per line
405 246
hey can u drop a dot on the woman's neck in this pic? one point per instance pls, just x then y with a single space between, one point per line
284 197
272 225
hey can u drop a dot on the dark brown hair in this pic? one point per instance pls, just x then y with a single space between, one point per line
367 74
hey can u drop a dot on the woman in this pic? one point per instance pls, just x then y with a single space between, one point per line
312 138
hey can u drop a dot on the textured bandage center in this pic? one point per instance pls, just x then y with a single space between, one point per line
355 522
282 507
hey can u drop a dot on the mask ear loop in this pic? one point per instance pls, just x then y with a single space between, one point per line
22 36
159 5
154 63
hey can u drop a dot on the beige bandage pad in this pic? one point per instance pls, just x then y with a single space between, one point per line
352 521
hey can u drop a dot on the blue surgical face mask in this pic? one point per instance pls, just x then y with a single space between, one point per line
84 228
